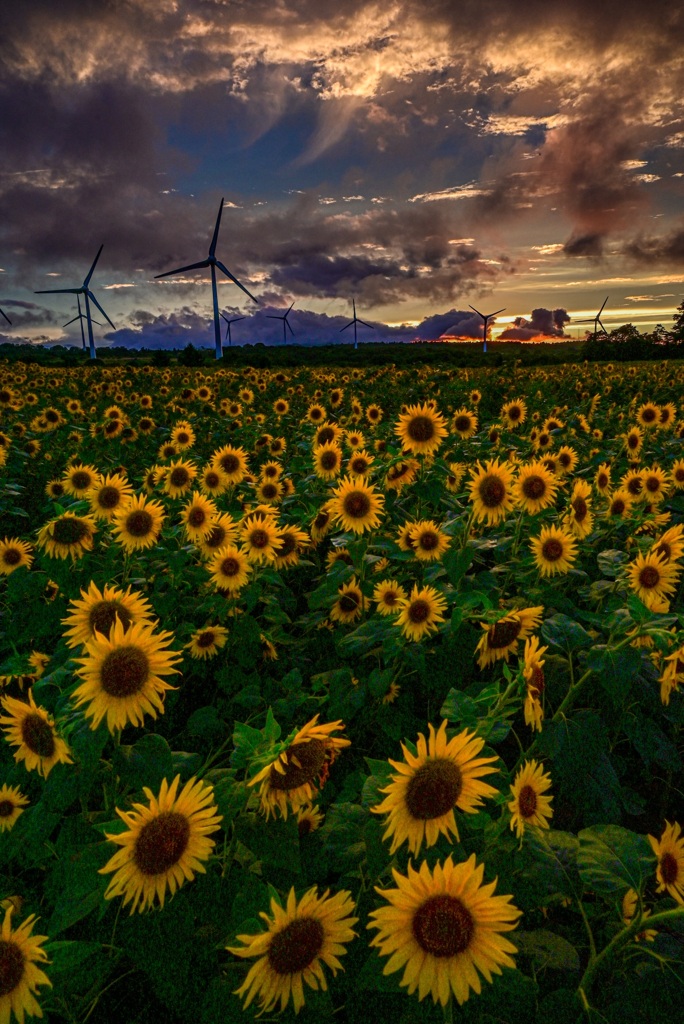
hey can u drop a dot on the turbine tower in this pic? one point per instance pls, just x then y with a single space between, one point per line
229 322
6 318
213 263
356 321
286 323
486 317
88 296
596 320
81 316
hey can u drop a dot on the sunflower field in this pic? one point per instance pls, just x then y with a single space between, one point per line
341 695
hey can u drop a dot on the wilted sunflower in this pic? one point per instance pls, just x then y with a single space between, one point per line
230 569
31 729
401 475
443 926
13 554
669 850
421 613
349 603
501 638
166 843
206 643
109 493
327 461
20 977
12 804
443 775
260 538
390 597
138 524
535 487
198 517
555 551
529 806
67 536
652 579
122 675
299 771
464 423
533 674
356 505
300 937
491 491
514 413
421 429
99 610
579 517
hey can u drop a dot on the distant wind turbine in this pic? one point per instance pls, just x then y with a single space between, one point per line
486 317
286 323
356 321
229 322
85 291
596 320
212 262
6 318
81 317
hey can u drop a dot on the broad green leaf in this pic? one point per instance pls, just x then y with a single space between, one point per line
563 632
611 859
548 950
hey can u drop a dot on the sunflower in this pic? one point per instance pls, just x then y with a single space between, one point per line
198 517
212 481
443 775
421 613
355 439
555 550
672 676
232 462
630 902
464 423
230 569
183 436
315 413
567 459
167 450
421 429
401 474
501 638
579 517
293 541
656 483
138 524
300 770
634 439
535 487
533 674
652 579
108 494
428 542
620 504
20 952
97 611
223 532
678 474
648 415
514 413
31 729
260 538
166 843
356 505
327 461
669 850
68 535
12 804
491 491
13 554
281 407
299 937
374 414
79 479
179 477
390 597
443 926
360 463
349 604
671 544
206 643
602 478
122 675
53 488
529 806
328 433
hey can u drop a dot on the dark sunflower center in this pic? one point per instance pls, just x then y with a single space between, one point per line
356 505
648 415
179 477
296 946
649 577
536 681
321 520
230 566
663 548
205 639
139 523
124 671
11 556
527 801
81 480
38 736
325 435
534 487
12 962
349 602
6 808
212 479
679 474
216 537
443 926
161 843
168 450
428 541
635 485
492 491
503 633
434 789
311 757
633 441
259 538
328 460
580 509
197 517
288 546
269 491
515 412
108 497
182 437
421 429
69 530
102 616
652 484
669 869
462 423
359 466
618 507
270 472
602 481
418 611
315 414
552 550
564 459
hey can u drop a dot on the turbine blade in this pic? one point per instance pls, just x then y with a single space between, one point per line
236 318
212 247
603 328
476 311
345 328
365 324
490 315
59 291
288 327
291 305
90 272
94 300
270 316
78 317
225 318
6 318
227 272
181 270
601 309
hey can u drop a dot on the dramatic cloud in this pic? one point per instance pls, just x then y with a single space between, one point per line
664 249
544 323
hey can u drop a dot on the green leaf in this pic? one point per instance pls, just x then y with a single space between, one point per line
616 670
612 859
563 632
548 950
67 956
457 561
459 708
610 562
555 853
246 740
275 843
147 763
205 724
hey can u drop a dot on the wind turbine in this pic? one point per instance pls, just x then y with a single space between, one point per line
596 320
356 321
212 262
6 318
85 291
486 317
229 322
81 316
286 323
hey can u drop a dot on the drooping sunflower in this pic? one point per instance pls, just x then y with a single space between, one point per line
421 429
14 553
327 461
67 536
491 491
20 977
455 477
138 524
529 806
298 772
12 804
555 550
652 579
514 413
122 675
421 613
464 423
579 517
300 938
260 538
198 516
356 505
669 850
401 475
166 843
31 729
442 927
501 638
443 775
223 532
535 487
349 603
206 643
390 597
97 611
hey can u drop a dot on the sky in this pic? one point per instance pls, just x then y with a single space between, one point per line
417 156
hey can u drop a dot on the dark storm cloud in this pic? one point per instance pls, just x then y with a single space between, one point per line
584 245
662 249
543 323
